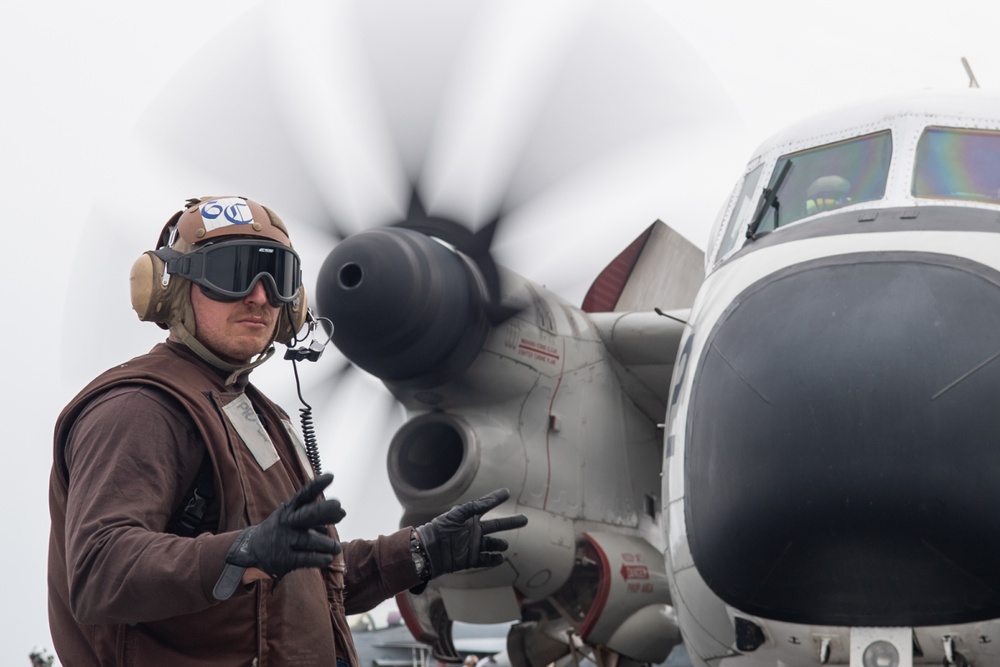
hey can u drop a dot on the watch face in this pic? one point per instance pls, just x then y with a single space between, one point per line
419 560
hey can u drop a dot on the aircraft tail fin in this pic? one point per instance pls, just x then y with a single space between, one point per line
659 269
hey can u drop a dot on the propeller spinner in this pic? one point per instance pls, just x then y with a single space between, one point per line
412 302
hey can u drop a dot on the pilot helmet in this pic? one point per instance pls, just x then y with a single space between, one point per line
827 193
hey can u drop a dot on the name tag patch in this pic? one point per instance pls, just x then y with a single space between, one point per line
241 415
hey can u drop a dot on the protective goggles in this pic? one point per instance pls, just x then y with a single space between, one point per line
228 271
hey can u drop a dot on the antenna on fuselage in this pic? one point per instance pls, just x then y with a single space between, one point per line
968 70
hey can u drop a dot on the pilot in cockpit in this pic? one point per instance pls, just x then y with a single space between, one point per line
827 193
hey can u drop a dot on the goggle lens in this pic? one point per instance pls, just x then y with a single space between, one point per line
230 270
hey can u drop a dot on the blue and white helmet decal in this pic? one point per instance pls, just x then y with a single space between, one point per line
217 213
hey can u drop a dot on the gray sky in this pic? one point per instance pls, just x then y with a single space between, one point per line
86 189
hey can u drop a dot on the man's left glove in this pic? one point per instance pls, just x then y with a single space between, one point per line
292 537
459 539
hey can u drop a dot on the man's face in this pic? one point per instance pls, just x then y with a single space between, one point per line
234 330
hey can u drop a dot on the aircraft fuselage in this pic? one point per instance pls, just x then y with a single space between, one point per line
829 476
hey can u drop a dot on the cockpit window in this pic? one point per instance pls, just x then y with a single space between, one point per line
958 164
825 179
744 202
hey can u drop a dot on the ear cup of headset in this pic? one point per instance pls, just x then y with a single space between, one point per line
150 299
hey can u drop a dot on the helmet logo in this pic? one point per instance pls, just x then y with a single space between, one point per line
221 212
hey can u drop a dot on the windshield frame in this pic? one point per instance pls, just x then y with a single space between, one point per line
825 178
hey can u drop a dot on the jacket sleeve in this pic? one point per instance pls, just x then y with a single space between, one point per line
132 456
376 570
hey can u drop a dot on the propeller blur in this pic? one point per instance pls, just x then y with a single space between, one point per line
334 114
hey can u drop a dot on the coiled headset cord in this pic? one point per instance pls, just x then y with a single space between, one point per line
308 429
311 352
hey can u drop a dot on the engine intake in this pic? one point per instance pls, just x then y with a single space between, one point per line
432 460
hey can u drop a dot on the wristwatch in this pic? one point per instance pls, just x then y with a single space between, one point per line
419 557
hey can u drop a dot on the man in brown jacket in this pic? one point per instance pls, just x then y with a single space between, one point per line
189 525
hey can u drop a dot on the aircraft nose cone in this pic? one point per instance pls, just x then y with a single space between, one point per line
843 457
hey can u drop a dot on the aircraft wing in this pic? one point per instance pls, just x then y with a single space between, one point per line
639 305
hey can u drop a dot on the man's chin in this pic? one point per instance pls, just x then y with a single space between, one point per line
240 355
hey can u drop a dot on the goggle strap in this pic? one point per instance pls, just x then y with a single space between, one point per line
186 265
167 254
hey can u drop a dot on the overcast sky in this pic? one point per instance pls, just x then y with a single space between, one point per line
95 100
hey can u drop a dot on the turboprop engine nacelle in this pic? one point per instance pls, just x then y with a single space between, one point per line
546 401
404 307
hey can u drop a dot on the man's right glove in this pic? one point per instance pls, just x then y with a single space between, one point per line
458 539
292 537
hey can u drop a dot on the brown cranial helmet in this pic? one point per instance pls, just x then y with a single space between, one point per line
226 245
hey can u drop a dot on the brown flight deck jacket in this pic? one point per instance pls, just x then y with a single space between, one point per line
123 591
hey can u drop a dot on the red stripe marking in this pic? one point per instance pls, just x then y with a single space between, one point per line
532 347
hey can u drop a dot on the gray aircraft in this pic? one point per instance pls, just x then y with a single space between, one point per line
815 406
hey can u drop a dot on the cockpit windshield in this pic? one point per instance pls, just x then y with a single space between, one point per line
825 179
958 164
744 202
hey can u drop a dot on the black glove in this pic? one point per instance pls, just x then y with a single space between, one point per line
292 537
458 539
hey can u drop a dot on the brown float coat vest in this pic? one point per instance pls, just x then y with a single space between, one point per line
300 622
